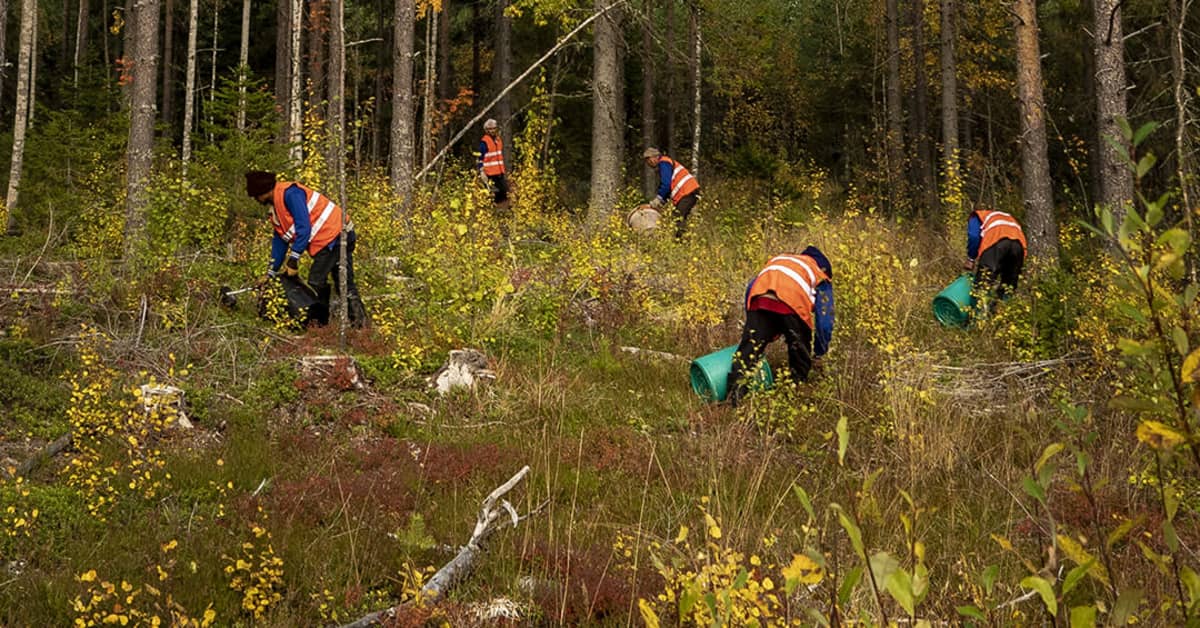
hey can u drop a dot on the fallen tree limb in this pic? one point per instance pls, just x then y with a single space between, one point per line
651 353
51 450
492 516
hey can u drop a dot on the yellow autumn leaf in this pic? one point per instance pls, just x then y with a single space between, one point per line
803 570
1158 435
682 536
1190 365
1076 552
649 617
90 576
714 530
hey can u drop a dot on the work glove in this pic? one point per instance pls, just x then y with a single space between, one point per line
657 202
291 267
483 178
969 264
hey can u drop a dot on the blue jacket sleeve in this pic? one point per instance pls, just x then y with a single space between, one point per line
278 250
664 180
974 236
482 152
823 319
297 205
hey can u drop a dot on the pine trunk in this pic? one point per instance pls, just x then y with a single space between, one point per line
669 69
243 65
402 150
429 106
143 83
695 64
923 168
1041 225
189 83
950 169
895 115
21 118
3 48
318 26
649 178
608 114
445 83
337 118
1116 182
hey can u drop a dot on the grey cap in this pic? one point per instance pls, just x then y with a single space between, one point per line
490 124
651 153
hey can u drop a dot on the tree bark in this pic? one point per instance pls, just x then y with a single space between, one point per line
695 63
1177 11
1116 181
143 75
33 69
649 176
502 73
895 116
476 46
337 118
3 48
189 84
923 168
21 118
669 68
295 122
950 159
1036 192
81 32
283 67
608 114
429 106
445 82
168 69
318 27
403 126
243 65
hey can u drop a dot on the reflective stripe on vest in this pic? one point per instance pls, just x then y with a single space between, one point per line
996 226
324 216
493 159
793 279
682 181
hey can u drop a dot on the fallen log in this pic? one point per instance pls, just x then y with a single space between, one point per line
491 518
51 450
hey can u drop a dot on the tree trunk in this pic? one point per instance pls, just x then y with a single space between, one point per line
445 82
1177 11
1042 228
895 116
283 67
212 83
168 69
337 118
924 152
1116 182
694 65
295 123
649 176
476 46
3 48
21 118
952 188
402 106
318 27
502 73
381 59
669 68
81 31
608 115
189 84
33 68
144 75
243 65
429 107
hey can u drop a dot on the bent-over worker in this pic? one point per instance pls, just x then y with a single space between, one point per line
674 183
995 250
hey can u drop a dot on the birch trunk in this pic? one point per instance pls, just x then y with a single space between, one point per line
950 169
295 124
608 114
81 29
144 77
403 126
243 65
337 118
189 84
33 68
1116 182
649 176
21 118
1041 225
1177 11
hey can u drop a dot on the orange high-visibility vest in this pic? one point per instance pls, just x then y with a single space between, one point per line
997 226
682 181
323 214
493 159
794 280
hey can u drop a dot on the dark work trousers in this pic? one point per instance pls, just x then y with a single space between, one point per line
324 264
763 326
499 187
684 209
1003 261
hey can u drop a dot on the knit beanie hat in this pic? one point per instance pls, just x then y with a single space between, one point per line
819 257
259 182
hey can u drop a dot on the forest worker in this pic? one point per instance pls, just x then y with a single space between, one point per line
791 296
306 220
995 249
674 183
491 162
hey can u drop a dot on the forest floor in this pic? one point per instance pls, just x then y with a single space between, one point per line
305 498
